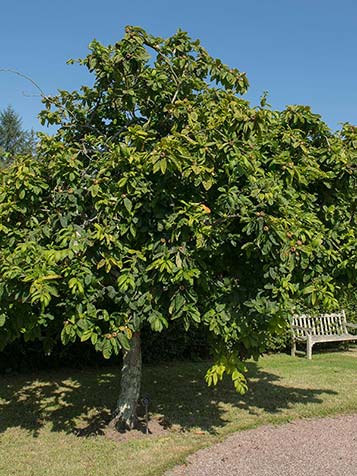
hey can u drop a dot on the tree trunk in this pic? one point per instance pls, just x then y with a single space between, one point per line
125 413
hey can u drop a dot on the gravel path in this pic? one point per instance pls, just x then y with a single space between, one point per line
322 447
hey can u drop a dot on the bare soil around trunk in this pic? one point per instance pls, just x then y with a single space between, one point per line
316 447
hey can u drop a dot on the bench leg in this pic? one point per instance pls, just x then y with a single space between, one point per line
293 348
309 345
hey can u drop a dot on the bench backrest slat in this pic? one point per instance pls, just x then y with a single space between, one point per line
324 324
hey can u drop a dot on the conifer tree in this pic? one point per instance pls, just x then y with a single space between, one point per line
14 140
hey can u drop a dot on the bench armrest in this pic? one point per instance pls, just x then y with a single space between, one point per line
304 329
353 326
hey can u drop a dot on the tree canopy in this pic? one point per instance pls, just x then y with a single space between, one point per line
164 195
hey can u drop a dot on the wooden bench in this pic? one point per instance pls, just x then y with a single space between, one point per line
323 328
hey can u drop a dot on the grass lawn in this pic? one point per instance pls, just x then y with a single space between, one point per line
40 412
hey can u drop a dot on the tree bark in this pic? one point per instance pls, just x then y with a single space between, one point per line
125 417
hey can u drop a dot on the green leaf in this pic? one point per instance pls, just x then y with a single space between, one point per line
177 304
178 260
107 349
63 221
124 341
308 290
207 183
83 324
163 165
2 319
66 335
94 189
86 335
128 204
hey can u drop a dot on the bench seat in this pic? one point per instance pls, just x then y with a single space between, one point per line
334 338
331 327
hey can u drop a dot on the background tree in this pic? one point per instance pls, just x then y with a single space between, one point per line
13 139
165 196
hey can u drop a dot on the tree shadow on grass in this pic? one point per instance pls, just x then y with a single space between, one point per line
62 399
68 400
190 403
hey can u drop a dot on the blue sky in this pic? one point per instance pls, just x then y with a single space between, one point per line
301 52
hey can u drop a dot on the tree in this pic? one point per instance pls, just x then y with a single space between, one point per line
13 139
165 196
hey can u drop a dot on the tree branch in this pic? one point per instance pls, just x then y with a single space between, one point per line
22 75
